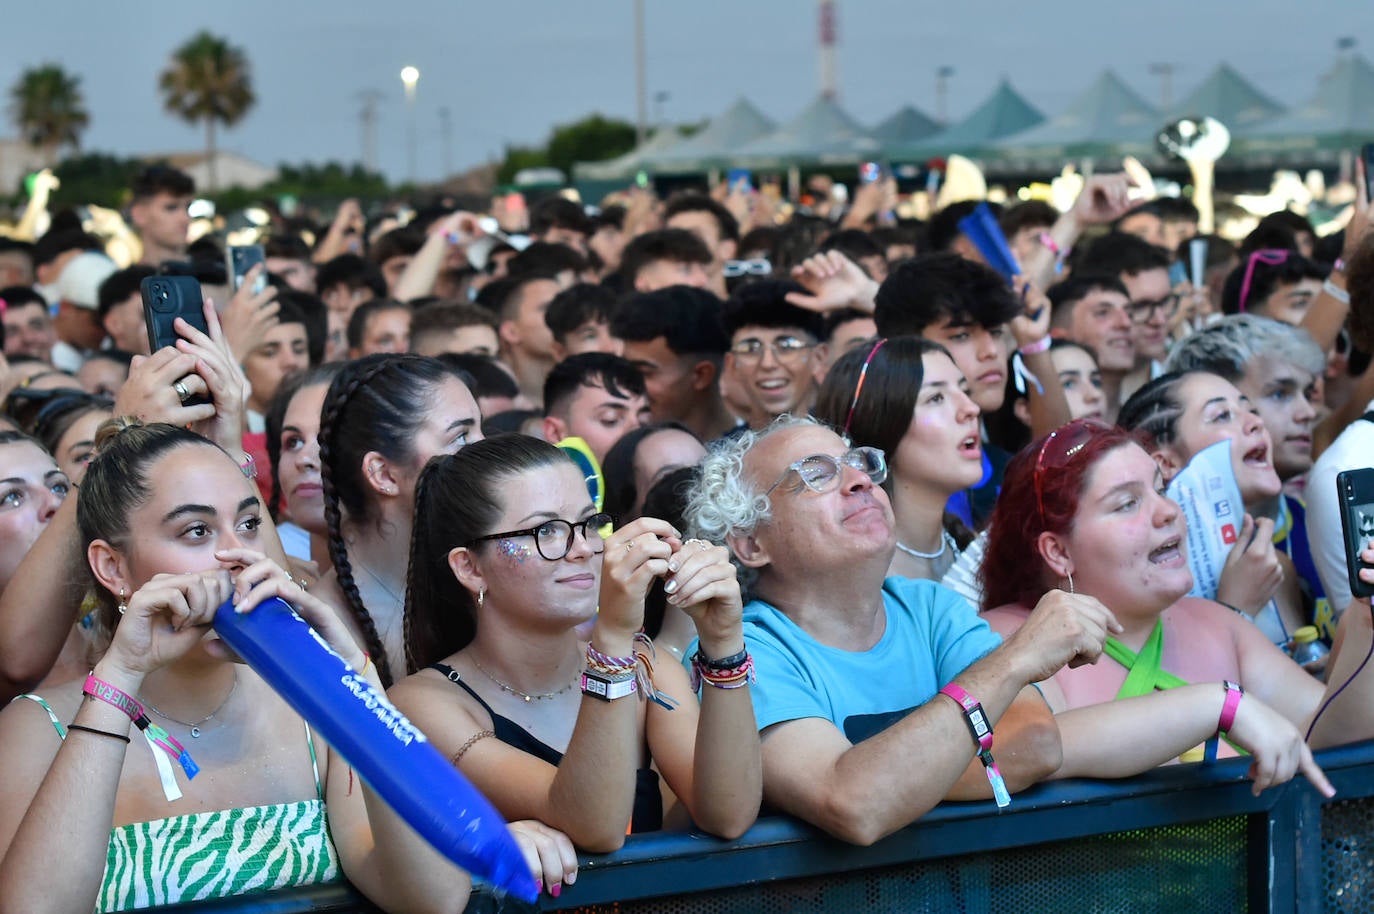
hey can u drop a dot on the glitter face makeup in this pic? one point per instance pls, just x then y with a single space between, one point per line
514 550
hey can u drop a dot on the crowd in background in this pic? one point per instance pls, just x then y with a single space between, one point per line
656 514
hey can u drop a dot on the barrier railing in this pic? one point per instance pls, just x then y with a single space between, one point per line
1185 838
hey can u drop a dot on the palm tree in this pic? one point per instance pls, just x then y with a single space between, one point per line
208 80
48 109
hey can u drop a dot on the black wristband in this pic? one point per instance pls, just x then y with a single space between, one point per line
725 663
98 732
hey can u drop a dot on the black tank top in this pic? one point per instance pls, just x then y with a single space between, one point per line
648 806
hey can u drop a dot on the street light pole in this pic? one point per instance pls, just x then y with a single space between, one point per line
409 78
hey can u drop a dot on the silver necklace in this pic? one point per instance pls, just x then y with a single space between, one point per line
946 541
512 690
195 727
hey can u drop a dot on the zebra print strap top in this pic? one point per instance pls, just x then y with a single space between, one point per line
219 853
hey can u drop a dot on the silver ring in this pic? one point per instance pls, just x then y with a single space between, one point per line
182 393
629 547
699 543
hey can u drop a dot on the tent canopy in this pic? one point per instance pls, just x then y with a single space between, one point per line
904 127
625 166
1228 97
716 143
823 133
1109 118
1003 113
1339 115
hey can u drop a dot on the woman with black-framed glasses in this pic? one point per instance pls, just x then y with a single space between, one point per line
508 557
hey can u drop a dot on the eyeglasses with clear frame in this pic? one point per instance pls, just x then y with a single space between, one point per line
788 350
554 538
821 472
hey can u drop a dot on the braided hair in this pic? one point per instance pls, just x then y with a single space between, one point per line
376 403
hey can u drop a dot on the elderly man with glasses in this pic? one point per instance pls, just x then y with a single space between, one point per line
876 699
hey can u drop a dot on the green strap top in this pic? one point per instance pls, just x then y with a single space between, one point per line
1143 671
218 853
1144 675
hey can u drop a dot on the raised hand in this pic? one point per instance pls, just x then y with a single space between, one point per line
1252 573
635 555
249 315
261 578
833 282
702 582
150 393
1064 629
1033 324
222 379
1104 198
165 618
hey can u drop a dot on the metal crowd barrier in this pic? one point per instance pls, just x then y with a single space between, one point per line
1185 838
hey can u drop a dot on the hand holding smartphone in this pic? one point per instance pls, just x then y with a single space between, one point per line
166 298
239 259
1355 489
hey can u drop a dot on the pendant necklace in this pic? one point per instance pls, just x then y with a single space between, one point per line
195 727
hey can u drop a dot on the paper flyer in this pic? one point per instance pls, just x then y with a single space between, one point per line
1206 490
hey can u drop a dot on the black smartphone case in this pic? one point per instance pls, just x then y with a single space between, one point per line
1355 489
165 298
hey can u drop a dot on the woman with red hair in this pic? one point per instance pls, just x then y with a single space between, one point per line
1084 510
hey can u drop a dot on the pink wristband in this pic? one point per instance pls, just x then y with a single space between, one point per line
1039 345
101 690
1234 693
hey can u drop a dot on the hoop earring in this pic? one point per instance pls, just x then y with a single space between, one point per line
481 597
123 602
1070 576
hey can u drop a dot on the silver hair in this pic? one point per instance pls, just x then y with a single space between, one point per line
724 500
1227 346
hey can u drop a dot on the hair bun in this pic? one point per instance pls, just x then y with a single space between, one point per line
111 429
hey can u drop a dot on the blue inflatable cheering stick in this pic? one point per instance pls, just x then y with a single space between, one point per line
387 751
981 228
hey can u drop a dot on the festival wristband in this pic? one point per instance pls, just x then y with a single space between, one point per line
981 729
1234 693
1040 345
606 689
1336 292
157 737
101 690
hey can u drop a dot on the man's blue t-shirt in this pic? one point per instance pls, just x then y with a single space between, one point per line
932 636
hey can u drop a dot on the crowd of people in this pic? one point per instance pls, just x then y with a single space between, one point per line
659 515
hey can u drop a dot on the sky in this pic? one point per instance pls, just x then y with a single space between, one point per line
508 70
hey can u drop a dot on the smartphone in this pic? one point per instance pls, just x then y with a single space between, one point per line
740 179
1367 162
1355 489
239 259
166 298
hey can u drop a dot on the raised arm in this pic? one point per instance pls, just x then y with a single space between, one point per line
420 275
64 810
1102 199
1325 319
590 795
709 754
